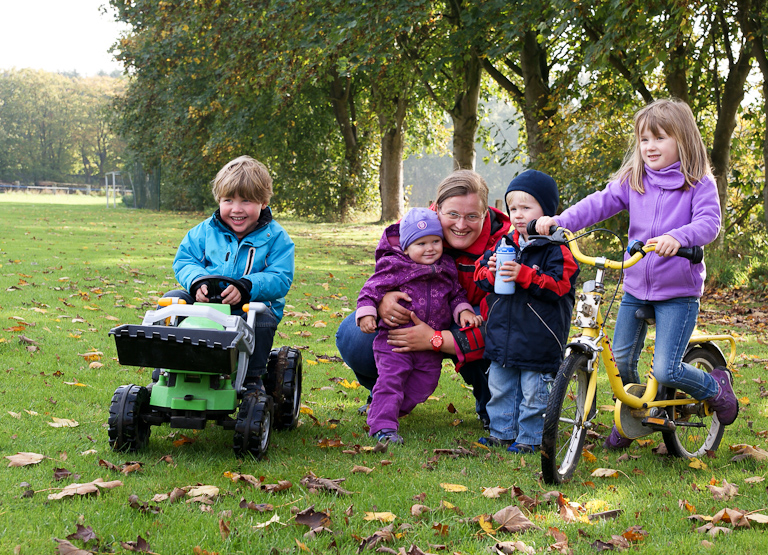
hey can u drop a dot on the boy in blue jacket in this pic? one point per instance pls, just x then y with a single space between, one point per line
241 241
526 332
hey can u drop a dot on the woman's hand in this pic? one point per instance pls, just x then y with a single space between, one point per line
666 245
391 312
416 338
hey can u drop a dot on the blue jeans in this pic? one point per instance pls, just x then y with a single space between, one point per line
675 321
264 327
518 401
356 349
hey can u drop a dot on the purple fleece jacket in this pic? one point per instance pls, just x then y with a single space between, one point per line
437 297
692 217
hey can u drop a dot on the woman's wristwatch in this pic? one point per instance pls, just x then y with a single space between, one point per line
437 340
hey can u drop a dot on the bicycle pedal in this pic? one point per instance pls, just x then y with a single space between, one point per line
659 424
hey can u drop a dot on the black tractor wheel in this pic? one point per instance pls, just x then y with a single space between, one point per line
283 383
128 431
253 427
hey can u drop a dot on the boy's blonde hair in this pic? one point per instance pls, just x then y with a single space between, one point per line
245 177
462 183
676 119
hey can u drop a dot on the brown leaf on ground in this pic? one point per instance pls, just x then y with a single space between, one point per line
744 451
606 515
494 493
252 480
357 468
224 529
260 507
634 534
315 484
418 510
528 502
724 493
64 547
139 546
313 519
61 473
455 453
383 535
561 541
513 520
503 548
84 534
85 489
135 503
281 485
23 458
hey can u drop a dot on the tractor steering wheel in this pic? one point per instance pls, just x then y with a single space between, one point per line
217 285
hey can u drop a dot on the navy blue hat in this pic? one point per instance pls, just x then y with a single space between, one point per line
417 223
540 186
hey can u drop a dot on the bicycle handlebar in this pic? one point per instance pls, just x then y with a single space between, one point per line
637 250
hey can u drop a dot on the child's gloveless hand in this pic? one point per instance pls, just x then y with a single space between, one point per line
367 324
468 318
666 245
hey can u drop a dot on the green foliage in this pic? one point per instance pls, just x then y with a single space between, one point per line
56 128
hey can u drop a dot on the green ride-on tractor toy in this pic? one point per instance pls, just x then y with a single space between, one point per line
200 354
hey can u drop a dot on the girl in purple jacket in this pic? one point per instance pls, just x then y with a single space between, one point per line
666 185
417 267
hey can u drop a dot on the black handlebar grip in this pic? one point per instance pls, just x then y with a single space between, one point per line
531 228
694 254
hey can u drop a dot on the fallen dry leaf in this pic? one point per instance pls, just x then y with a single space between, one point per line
23 458
85 489
63 423
727 491
744 451
513 520
383 516
453 488
495 492
605 473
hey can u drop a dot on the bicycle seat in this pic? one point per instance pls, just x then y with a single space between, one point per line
647 313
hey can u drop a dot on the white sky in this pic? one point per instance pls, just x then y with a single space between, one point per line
58 35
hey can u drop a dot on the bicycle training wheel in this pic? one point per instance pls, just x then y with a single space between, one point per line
695 432
564 427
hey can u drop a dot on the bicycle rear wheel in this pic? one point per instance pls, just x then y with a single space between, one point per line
564 427
695 432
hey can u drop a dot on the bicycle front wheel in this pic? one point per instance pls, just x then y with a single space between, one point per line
695 432
565 428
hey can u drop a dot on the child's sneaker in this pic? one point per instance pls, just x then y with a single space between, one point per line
388 435
491 441
522 448
253 384
724 403
616 441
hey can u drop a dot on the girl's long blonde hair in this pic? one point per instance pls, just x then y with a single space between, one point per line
676 119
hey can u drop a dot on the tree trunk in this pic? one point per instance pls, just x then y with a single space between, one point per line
342 101
464 113
733 94
533 63
391 166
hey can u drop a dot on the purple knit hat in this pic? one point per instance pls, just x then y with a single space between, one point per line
417 223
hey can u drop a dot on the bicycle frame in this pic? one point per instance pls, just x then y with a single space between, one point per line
595 343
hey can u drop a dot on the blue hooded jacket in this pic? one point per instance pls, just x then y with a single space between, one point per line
263 259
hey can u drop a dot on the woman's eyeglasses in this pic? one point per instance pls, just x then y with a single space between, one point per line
469 218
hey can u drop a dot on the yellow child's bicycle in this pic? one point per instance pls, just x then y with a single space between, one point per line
689 428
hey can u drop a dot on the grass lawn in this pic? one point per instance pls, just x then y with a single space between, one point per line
69 273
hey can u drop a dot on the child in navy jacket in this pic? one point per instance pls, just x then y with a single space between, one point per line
526 332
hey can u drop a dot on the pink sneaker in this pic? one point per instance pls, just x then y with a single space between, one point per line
616 441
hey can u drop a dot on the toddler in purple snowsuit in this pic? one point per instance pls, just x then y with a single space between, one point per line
416 267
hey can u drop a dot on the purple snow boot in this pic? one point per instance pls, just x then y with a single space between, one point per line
724 403
616 441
